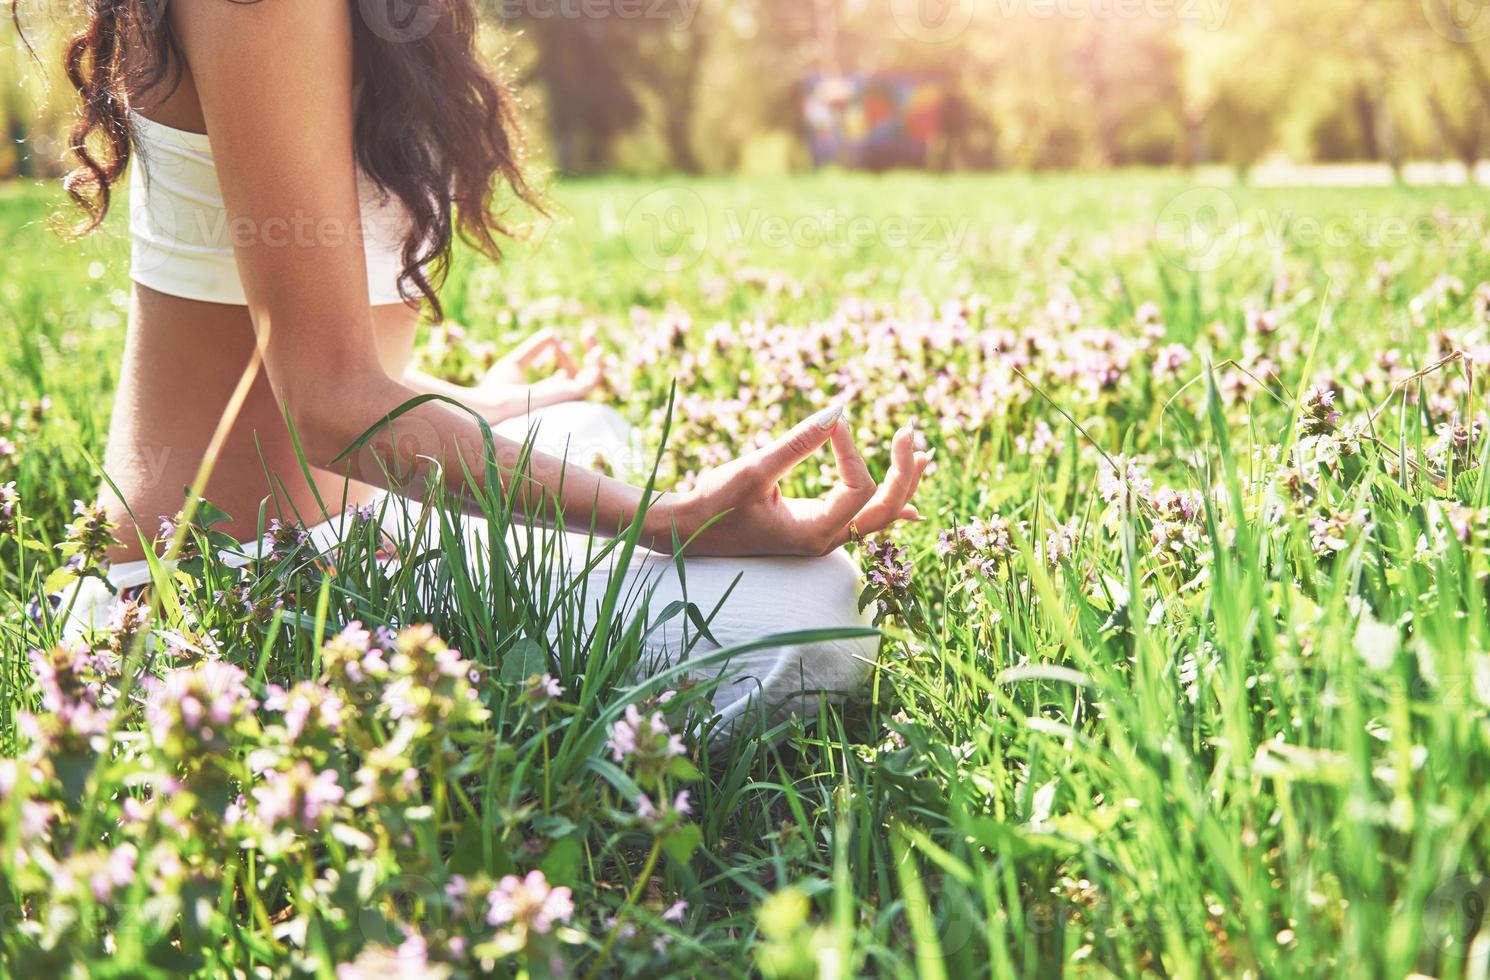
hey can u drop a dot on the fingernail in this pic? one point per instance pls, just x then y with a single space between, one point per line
829 416
930 454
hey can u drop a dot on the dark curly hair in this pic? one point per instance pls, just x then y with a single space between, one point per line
433 127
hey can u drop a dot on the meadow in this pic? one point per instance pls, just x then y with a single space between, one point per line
1187 672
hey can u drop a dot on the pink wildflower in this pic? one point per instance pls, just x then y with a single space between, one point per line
644 740
529 903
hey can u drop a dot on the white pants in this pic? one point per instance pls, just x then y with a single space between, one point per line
762 597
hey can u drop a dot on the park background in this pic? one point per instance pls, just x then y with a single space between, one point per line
1186 674
718 86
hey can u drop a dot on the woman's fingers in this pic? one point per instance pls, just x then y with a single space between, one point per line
806 438
564 359
556 389
525 353
855 487
890 500
528 352
855 506
527 356
592 371
923 460
513 367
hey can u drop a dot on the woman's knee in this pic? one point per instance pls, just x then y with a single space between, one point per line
837 583
588 434
839 664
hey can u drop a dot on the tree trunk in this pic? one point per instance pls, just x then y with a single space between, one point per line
1193 149
1463 141
679 125
1386 134
1365 114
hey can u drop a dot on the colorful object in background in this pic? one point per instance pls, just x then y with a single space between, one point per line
872 121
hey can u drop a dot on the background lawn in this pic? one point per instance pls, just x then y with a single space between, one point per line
1187 672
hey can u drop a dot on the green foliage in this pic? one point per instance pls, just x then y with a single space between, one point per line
1187 678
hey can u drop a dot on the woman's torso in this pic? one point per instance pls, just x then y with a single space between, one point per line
185 356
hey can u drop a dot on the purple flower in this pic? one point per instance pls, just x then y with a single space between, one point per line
1318 415
409 960
1060 544
286 540
1123 481
659 817
540 690
89 537
10 502
1262 323
307 701
363 513
645 741
529 904
118 870
351 659
298 798
190 709
1170 361
1330 533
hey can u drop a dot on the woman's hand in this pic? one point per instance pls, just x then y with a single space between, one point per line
757 520
506 388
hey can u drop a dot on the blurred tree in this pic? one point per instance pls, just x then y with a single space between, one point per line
583 66
688 85
33 119
670 64
1234 87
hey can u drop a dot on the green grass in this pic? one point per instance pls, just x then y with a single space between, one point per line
1237 728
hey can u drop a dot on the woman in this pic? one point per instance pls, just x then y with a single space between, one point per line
302 167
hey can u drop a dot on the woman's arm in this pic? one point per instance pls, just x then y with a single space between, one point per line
275 83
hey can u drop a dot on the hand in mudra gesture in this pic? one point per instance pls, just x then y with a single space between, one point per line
571 379
758 520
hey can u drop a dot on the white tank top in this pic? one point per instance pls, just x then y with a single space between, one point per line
181 239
